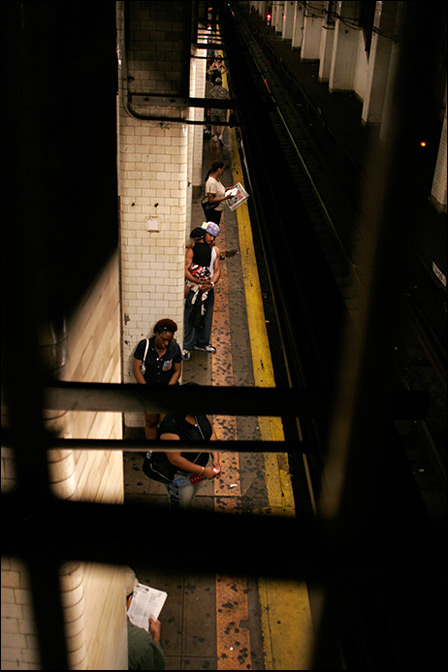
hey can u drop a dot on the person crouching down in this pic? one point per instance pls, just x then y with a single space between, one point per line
191 468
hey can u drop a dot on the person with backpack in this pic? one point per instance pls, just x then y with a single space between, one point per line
183 472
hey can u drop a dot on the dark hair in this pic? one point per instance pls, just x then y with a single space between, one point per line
165 325
198 233
216 165
214 168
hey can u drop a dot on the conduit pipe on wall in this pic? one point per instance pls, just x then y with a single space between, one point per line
125 82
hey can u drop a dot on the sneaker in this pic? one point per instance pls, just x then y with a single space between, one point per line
206 348
220 141
186 355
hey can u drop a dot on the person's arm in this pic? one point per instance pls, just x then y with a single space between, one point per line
215 454
137 372
182 463
216 268
188 262
155 628
213 198
176 373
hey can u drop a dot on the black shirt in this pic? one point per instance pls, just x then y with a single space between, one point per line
158 369
175 424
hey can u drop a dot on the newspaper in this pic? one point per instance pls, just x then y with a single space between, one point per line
239 196
146 602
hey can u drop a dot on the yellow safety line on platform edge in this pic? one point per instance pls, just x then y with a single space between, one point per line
285 612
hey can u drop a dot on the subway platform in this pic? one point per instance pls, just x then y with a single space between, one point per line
229 622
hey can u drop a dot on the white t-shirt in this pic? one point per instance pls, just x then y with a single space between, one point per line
215 188
212 262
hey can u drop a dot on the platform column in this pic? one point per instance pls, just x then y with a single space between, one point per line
297 32
438 191
288 21
379 61
197 90
345 49
312 31
154 168
326 48
277 16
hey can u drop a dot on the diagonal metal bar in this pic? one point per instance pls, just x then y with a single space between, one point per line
29 533
126 398
241 401
141 446
153 99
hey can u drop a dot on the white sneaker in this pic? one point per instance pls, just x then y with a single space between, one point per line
206 348
186 355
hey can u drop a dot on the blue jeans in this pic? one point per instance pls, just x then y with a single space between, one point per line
201 336
181 491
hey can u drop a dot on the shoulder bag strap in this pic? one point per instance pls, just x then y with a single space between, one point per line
146 349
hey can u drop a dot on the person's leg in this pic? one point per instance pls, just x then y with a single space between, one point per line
205 331
190 333
181 491
214 216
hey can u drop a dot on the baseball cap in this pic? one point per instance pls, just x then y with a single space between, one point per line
212 229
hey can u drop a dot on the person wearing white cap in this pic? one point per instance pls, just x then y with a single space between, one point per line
144 649
197 333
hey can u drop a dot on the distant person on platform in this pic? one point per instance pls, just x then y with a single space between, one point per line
144 649
218 116
217 69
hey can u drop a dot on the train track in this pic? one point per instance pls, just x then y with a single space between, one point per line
337 224
306 254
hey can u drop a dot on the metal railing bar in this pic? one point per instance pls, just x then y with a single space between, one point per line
161 100
142 446
120 397
89 533
239 401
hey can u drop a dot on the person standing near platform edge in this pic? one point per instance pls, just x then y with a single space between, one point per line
216 191
161 366
198 338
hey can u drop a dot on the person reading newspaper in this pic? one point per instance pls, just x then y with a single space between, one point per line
144 631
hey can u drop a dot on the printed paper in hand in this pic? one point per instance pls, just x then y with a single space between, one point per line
146 602
239 195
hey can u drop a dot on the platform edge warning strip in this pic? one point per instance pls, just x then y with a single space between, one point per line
285 611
